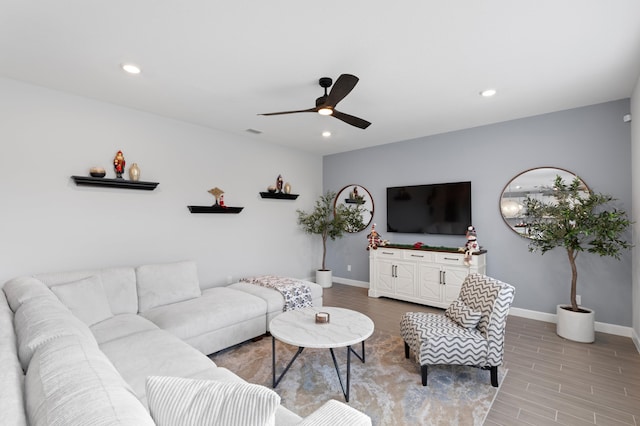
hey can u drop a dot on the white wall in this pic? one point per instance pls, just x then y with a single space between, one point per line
635 180
47 223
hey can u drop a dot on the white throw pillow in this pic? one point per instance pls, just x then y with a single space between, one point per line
175 401
85 298
166 283
462 314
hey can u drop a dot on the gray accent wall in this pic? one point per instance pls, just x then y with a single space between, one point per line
592 142
635 154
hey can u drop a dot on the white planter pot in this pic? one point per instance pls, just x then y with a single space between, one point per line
324 278
576 326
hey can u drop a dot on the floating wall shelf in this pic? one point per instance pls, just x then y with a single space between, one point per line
214 209
278 195
114 183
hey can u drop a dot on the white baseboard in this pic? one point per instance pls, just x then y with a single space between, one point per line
603 327
618 330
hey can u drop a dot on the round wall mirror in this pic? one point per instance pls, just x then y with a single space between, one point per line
357 195
535 183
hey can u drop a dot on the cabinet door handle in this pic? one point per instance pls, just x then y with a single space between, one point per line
396 273
387 252
444 277
417 255
440 277
450 258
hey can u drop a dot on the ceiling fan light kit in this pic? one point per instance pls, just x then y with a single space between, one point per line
326 104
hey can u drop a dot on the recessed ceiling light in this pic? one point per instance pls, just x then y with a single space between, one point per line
326 134
131 68
488 93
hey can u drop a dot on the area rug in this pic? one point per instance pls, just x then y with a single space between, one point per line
387 387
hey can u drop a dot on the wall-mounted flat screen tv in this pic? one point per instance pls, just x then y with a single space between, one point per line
443 208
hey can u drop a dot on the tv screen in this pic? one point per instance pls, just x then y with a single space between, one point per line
443 208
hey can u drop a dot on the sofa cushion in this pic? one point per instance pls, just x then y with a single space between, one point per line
119 284
119 326
216 308
166 283
85 298
72 383
175 401
21 289
462 314
42 319
153 353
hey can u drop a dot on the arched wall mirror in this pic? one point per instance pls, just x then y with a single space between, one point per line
535 183
357 195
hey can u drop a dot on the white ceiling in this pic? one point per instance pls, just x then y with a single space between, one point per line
421 63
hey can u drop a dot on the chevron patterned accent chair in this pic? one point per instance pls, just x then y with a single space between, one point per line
471 332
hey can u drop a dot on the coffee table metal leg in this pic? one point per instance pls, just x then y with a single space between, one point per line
273 364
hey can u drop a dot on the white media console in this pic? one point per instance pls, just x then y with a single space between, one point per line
429 277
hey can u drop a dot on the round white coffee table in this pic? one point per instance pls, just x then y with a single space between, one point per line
299 328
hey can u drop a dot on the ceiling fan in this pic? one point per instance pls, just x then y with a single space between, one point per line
326 104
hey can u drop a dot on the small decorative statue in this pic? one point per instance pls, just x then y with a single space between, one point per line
470 246
279 183
222 201
118 164
375 240
217 192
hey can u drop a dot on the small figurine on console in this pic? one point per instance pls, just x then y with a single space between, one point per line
470 246
222 201
375 240
279 183
118 164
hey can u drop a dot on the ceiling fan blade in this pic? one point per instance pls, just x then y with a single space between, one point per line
291 112
341 88
350 119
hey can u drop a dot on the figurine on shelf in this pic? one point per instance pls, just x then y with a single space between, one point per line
279 183
118 164
222 202
375 240
470 246
217 193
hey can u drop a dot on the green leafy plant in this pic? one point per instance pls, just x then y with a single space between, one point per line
330 222
578 220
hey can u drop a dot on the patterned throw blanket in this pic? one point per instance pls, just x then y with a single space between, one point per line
296 294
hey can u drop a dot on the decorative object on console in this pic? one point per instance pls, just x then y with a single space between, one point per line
287 188
329 221
357 195
578 220
375 240
118 164
134 172
97 172
279 183
471 246
218 207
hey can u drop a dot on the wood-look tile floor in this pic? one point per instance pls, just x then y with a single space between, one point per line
550 381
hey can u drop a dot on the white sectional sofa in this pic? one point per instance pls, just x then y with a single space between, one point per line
104 347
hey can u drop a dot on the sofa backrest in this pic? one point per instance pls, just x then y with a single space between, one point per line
118 283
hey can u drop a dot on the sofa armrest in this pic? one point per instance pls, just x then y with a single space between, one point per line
334 413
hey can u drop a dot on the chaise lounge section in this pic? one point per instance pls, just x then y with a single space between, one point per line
78 347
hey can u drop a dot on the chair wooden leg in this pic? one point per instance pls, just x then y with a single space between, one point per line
423 373
406 350
494 377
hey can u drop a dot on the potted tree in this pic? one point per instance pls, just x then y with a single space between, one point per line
329 222
578 220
